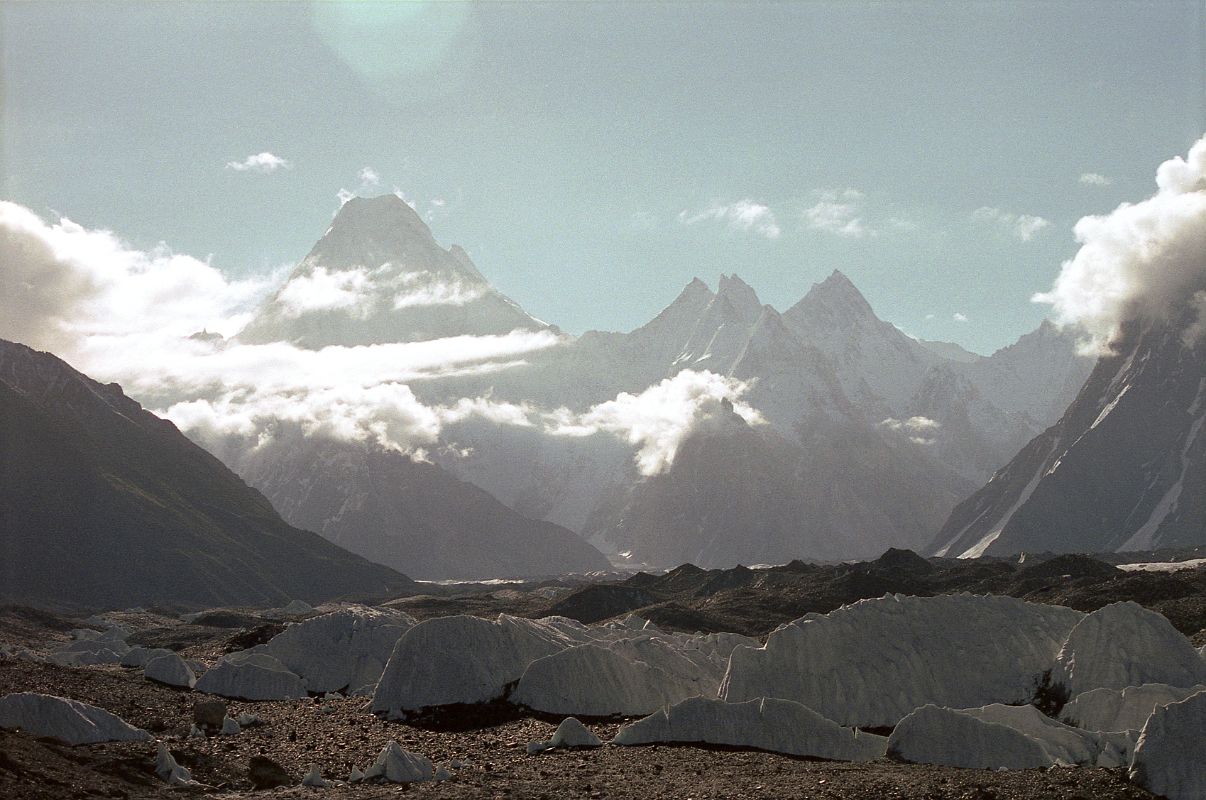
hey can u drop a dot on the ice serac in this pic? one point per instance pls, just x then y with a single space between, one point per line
461 659
1124 644
146 515
344 650
377 275
934 735
1170 759
251 676
871 663
595 680
1122 709
1123 469
68 721
171 670
777 726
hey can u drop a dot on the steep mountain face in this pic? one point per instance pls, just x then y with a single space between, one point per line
104 504
870 436
740 494
880 367
1123 469
377 275
395 511
839 389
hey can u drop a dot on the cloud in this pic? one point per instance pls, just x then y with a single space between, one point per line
1142 261
324 290
657 420
918 430
1094 179
61 284
438 293
841 213
929 316
1024 226
745 216
368 177
260 162
959 316
121 314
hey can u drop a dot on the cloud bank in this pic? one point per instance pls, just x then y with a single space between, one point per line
1143 260
62 285
95 300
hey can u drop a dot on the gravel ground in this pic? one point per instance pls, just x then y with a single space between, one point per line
340 733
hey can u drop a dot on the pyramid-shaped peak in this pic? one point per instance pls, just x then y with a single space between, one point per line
740 295
837 292
383 211
837 282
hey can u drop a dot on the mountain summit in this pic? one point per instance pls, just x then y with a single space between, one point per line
377 276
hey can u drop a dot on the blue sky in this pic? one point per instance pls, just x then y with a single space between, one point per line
593 158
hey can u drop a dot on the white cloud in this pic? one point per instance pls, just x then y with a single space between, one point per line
437 293
61 284
323 290
120 314
918 429
368 177
959 316
1024 226
1094 179
260 162
368 180
1144 260
745 216
657 420
841 213
929 316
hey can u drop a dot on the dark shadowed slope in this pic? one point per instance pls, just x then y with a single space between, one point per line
104 504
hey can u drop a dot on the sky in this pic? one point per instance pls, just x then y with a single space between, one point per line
594 157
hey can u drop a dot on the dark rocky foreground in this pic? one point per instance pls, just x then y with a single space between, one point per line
756 601
489 744
339 733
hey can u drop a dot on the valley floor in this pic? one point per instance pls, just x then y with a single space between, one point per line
339 733
485 748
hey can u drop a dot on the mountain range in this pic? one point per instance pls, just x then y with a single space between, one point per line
864 438
722 432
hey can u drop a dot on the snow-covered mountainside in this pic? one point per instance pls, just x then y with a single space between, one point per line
377 275
1123 469
103 503
838 435
871 436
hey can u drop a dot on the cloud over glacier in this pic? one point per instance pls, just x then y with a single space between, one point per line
658 419
126 315
1142 260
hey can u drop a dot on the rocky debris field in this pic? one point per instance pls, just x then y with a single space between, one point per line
338 734
344 699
